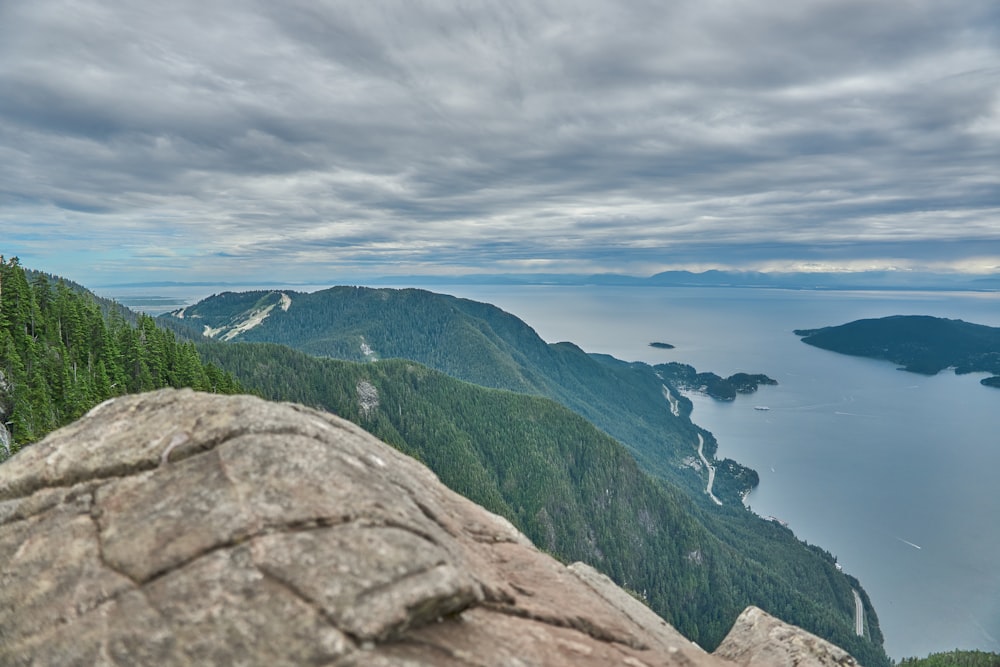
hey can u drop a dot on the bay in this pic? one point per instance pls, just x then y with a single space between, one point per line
892 472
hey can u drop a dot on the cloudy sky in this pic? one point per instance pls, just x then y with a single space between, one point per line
314 139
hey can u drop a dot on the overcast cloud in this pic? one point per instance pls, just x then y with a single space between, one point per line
308 139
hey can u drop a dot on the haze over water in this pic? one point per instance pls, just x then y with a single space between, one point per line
894 473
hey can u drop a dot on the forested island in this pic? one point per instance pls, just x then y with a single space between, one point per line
919 343
661 346
720 388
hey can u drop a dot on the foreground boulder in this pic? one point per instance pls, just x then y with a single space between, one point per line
177 528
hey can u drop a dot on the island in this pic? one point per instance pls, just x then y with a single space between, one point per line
918 343
661 346
685 377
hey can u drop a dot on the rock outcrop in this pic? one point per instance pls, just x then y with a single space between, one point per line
6 410
177 528
760 639
5 442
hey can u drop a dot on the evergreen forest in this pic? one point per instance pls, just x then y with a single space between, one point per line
954 659
62 351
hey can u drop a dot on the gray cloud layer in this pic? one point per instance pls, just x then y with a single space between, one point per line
330 138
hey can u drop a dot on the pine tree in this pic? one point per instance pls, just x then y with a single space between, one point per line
60 355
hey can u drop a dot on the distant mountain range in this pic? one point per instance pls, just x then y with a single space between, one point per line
858 280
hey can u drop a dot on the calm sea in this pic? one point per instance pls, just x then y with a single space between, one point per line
894 473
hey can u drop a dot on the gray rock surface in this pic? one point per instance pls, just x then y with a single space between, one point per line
760 639
6 410
176 528
5 442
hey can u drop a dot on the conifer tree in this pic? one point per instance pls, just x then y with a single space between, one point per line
60 355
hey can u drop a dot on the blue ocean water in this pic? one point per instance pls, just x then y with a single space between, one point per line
894 473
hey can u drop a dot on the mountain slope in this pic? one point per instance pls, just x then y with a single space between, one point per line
479 343
954 659
572 489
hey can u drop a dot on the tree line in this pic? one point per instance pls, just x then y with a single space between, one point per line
955 659
60 355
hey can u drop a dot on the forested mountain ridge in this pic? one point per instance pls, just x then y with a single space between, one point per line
921 343
574 491
62 351
483 344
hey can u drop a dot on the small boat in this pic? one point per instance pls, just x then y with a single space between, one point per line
762 408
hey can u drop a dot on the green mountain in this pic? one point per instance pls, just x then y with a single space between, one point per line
632 402
921 344
62 351
479 343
